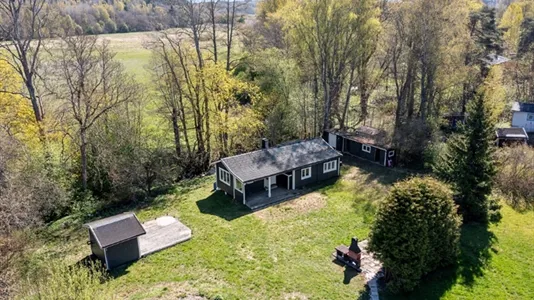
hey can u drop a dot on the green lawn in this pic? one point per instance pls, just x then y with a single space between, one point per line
284 252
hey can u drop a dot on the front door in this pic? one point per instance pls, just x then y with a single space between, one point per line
332 140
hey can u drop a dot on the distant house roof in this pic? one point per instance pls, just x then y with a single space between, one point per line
523 107
512 133
494 59
116 229
276 160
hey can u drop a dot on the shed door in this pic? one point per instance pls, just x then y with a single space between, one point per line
332 140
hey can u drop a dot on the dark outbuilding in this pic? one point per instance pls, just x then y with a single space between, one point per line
114 240
511 136
364 142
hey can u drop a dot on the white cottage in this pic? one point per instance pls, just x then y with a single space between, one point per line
523 116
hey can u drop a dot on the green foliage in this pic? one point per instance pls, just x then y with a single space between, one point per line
60 281
468 162
515 176
416 231
487 35
527 37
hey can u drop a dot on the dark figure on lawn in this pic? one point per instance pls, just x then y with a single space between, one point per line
350 256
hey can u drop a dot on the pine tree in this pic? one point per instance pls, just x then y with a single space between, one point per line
468 162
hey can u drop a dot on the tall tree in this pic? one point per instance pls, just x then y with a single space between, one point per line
366 70
22 26
468 161
323 36
90 82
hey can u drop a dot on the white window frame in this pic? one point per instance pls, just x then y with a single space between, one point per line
330 166
366 148
236 185
222 174
304 171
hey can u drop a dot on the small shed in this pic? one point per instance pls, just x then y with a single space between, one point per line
364 142
511 136
114 240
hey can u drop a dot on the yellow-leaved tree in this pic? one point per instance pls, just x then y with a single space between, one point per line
511 22
16 115
236 125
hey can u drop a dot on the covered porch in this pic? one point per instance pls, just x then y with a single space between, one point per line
269 190
261 199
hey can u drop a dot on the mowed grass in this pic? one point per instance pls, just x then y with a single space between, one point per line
281 252
284 252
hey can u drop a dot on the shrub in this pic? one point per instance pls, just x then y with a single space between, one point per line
60 281
515 176
417 230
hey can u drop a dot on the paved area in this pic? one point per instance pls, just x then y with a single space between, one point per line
161 233
371 269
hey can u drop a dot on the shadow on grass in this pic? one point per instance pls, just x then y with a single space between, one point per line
223 206
376 172
220 205
476 243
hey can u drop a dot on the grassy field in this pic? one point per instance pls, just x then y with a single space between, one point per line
284 252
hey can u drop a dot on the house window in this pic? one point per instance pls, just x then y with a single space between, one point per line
366 148
305 173
239 185
224 176
330 166
391 153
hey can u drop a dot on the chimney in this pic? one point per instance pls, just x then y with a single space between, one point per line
264 143
354 246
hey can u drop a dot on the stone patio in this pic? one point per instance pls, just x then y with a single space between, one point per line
371 270
162 233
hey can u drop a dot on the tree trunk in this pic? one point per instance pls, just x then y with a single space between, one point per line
176 131
83 157
347 100
230 23
214 30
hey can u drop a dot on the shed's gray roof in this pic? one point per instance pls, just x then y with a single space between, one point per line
514 132
523 107
268 162
116 229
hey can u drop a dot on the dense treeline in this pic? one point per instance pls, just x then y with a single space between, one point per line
80 134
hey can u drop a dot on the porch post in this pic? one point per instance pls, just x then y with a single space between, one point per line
293 179
269 190
244 184
338 166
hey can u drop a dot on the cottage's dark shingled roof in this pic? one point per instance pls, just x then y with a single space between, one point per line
515 132
113 230
523 107
268 162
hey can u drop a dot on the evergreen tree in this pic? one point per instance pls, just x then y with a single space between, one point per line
486 33
468 162
527 37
